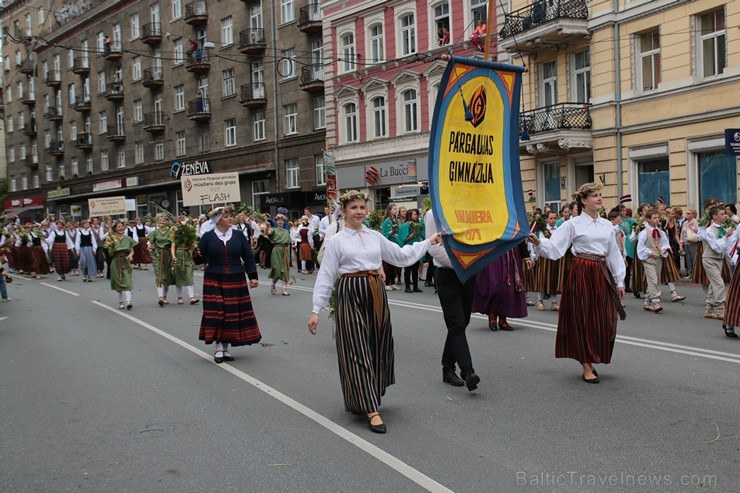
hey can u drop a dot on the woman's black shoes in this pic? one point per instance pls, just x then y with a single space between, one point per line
729 331
218 357
375 428
228 356
449 376
471 381
590 380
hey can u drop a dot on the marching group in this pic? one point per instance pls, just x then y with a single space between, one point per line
581 258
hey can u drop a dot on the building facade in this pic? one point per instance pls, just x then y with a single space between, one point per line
383 85
633 94
119 97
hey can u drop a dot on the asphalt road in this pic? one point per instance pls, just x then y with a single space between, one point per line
96 399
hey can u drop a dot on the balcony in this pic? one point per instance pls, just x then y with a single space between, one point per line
309 18
82 104
53 79
114 91
312 78
55 148
28 99
53 114
199 109
196 13
153 78
112 52
116 133
84 141
198 61
544 24
151 33
253 95
27 67
32 161
154 122
29 129
252 41
81 66
556 129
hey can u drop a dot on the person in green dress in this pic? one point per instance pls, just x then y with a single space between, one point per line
280 256
181 249
121 249
160 240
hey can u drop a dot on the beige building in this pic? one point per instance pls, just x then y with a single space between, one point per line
636 94
117 97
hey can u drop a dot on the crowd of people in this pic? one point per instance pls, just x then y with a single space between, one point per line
580 260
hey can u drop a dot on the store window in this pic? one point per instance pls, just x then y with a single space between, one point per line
653 180
717 176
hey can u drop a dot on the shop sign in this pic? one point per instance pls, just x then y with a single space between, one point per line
218 188
179 169
313 197
34 201
732 141
283 198
391 173
59 192
406 192
75 210
132 181
107 185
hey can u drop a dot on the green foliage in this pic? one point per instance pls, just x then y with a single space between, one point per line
375 219
185 235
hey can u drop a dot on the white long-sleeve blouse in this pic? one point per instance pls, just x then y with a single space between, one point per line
85 232
586 235
68 239
357 251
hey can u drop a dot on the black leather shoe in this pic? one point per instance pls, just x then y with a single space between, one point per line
637 295
408 290
471 381
228 356
376 428
218 357
729 331
590 380
449 376
417 290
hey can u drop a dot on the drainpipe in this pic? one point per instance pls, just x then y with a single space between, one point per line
276 151
618 100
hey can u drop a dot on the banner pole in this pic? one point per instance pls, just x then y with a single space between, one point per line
491 10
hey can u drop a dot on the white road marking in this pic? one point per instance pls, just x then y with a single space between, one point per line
2 318
391 461
60 289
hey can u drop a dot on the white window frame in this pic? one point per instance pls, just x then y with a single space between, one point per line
292 173
121 157
135 26
320 169
180 98
230 132
180 144
179 57
104 163
319 112
138 111
375 45
159 150
714 36
407 36
136 68
176 9
348 51
229 83
101 82
434 19
641 55
287 11
139 153
349 122
585 73
227 31
258 126
290 119
546 86
403 105
372 115
287 64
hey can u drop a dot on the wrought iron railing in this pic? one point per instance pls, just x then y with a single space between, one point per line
250 92
252 36
539 13
313 73
560 116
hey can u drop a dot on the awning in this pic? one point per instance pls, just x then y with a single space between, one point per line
13 213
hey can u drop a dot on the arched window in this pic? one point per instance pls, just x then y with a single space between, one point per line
348 52
379 114
377 43
410 111
350 122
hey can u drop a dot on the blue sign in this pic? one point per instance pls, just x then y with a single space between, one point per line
732 141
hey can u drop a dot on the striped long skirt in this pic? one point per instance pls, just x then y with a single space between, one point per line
228 315
141 252
587 321
639 281
364 341
546 276
732 303
565 263
529 278
62 258
22 258
39 261
670 271
88 264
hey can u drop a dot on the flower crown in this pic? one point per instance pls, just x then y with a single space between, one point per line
586 190
353 195
218 211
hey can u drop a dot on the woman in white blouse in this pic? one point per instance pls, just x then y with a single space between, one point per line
363 324
587 321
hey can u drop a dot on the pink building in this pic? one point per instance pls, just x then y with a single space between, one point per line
383 73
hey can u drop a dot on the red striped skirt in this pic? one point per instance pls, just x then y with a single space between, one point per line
669 272
564 268
22 258
639 281
587 321
227 311
546 276
39 262
732 303
62 258
699 276
528 278
364 338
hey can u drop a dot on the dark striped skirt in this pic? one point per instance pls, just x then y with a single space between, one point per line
639 281
529 278
364 339
669 272
227 311
39 261
732 303
141 252
546 276
62 258
564 268
587 320
699 276
22 258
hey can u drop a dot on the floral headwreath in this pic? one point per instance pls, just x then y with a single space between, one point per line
586 190
220 211
353 195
